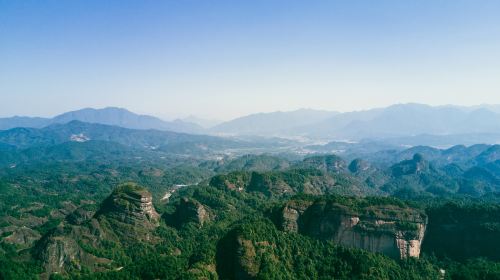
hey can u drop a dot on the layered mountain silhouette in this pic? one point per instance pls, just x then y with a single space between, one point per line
109 116
272 124
401 124
77 131
411 124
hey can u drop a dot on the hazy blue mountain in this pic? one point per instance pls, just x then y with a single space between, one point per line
124 118
331 126
272 124
397 125
460 155
406 120
12 122
491 107
443 141
401 124
205 123
109 116
479 154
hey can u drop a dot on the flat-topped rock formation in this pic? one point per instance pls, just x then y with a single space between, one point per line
394 230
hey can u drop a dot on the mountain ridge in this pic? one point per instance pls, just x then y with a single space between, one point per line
403 124
399 120
273 123
109 116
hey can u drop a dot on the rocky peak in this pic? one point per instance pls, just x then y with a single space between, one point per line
130 212
415 166
60 251
132 203
190 210
126 216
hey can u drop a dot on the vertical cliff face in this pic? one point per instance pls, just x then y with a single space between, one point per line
129 213
130 204
126 216
388 229
411 247
190 210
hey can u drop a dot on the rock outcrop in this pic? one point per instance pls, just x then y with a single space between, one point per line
127 216
60 251
394 230
417 165
190 210
22 236
81 215
129 213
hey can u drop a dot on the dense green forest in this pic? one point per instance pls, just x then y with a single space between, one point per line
103 210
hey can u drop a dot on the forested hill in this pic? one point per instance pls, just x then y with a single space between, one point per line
16 143
105 205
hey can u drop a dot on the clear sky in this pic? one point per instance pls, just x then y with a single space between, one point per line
222 59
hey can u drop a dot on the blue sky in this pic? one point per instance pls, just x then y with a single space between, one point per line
222 59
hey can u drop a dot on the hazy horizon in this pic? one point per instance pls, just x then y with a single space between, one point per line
221 59
258 139
251 113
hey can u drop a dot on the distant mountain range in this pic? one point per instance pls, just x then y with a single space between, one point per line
408 124
401 124
272 124
205 123
407 120
108 116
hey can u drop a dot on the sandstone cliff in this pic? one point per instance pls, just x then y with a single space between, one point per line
129 213
125 217
394 230
60 251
